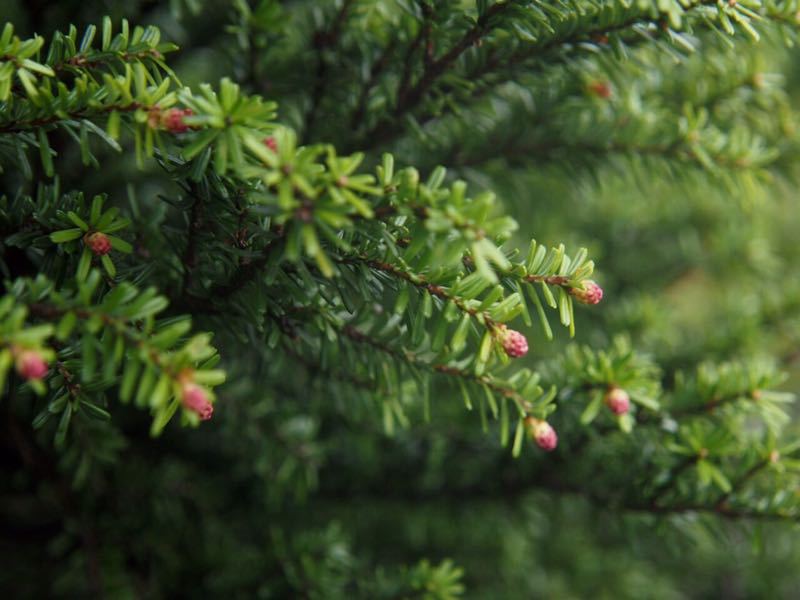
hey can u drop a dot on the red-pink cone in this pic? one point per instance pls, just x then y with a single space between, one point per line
588 293
98 243
30 365
618 400
601 89
195 399
270 143
542 433
172 120
514 343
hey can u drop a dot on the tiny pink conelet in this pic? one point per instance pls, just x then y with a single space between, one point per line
172 120
270 143
588 293
196 400
542 433
514 343
98 243
618 401
30 365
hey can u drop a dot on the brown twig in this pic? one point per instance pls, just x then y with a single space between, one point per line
323 40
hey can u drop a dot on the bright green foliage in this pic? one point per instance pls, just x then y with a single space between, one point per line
291 214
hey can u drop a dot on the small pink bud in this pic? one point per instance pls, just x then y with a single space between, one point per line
98 243
270 143
588 293
617 400
172 120
601 89
196 400
542 433
514 343
31 365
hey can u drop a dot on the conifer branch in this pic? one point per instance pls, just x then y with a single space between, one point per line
82 62
553 152
411 358
420 282
315 370
557 47
670 480
519 487
20 126
409 98
722 502
381 284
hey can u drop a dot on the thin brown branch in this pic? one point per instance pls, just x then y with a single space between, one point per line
85 113
543 481
323 40
374 73
81 61
658 493
408 95
317 370
189 259
408 99
423 284
713 404
722 503
409 357
246 273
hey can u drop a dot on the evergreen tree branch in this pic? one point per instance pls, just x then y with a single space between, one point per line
548 482
736 486
561 42
315 370
524 404
121 325
87 113
408 98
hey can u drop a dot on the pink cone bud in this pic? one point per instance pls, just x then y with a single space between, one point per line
196 400
172 120
98 243
542 433
514 343
31 365
588 293
601 89
270 143
617 400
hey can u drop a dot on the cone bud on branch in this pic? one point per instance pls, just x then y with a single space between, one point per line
617 400
542 433
195 399
588 292
30 364
514 343
98 243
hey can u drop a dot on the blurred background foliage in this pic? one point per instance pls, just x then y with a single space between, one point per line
304 499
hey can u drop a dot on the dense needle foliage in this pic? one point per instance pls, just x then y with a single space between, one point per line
300 299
